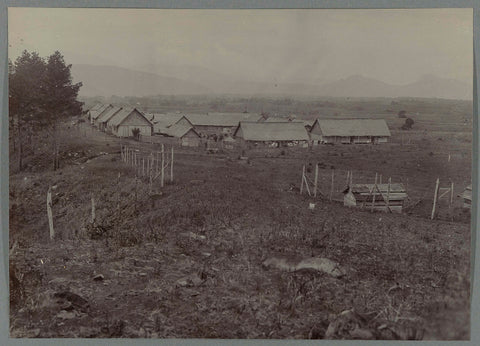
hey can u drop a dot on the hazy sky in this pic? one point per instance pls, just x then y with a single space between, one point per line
395 46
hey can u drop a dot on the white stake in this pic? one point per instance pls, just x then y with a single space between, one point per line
93 210
162 179
374 192
171 167
435 198
49 212
451 193
303 175
388 193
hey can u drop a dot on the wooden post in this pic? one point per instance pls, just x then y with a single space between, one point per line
331 188
148 165
171 167
135 202
315 181
156 163
93 210
374 192
49 212
306 185
143 166
351 178
451 193
150 172
162 178
435 198
303 175
118 197
380 178
348 178
388 193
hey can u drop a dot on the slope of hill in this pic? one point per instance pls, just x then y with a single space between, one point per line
193 80
112 80
427 86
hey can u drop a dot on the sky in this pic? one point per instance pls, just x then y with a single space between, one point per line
302 46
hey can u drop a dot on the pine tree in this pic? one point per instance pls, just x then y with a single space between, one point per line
41 93
60 93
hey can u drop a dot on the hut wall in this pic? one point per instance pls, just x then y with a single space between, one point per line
190 140
362 140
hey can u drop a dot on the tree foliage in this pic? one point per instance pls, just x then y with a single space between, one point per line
408 124
41 90
136 133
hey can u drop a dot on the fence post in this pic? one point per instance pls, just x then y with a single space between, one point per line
49 212
162 178
348 178
171 167
388 193
150 171
435 198
118 196
303 175
93 210
143 166
316 181
331 188
451 193
373 190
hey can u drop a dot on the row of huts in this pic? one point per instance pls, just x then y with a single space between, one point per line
254 129
119 121
245 129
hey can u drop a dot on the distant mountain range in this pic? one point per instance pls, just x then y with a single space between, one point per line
191 80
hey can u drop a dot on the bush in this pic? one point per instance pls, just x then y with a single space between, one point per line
402 114
136 133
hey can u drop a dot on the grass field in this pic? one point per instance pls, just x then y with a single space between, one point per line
186 261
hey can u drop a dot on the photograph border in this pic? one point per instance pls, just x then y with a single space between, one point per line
197 4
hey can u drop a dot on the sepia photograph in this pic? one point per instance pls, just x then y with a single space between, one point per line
240 173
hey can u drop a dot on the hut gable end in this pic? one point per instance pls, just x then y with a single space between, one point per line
135 118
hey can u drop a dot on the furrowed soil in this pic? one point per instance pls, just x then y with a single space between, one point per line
185 261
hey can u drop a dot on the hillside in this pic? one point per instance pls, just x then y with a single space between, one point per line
112 80
428 86
193 80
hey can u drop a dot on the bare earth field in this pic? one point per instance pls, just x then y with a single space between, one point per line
186 261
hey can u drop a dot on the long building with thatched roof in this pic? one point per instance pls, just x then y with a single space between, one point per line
349 131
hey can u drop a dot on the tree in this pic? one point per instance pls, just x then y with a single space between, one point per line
25 95
136 133
41 92
402 114
61 94
408 124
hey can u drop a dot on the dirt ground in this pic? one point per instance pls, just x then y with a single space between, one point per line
185 261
